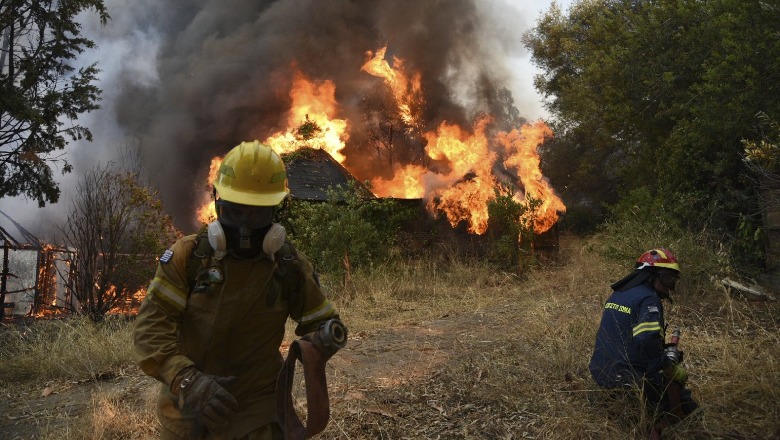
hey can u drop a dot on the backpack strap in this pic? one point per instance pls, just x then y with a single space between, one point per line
197 260
286 276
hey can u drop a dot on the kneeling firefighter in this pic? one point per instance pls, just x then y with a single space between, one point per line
630 347
213 320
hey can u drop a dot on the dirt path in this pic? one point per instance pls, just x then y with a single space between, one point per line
404 353
386 358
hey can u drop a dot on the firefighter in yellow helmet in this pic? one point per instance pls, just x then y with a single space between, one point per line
214 316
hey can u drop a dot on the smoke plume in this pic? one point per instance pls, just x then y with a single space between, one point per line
221 73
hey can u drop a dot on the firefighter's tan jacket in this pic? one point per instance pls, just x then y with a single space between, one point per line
225 329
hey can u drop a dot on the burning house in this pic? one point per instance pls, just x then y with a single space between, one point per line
453 176
35 275
410 96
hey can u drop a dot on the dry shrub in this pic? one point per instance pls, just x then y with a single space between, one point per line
116 411
124 414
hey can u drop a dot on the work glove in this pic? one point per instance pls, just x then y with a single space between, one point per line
330 338
204 396
677 374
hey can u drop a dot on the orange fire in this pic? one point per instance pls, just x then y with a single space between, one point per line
207 212
458 198
467 184
312 122
128 305
467 199
521 148
463 193
406 91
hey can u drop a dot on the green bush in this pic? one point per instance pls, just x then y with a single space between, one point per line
511 229
349 230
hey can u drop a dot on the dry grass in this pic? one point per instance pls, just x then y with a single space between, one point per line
517 364
67 349
416 291
533 381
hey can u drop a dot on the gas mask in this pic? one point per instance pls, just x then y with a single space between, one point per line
668 278
245 231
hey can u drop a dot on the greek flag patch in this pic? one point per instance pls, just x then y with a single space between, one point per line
166 256
652 309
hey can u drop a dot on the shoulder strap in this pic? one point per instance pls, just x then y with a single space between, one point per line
198 258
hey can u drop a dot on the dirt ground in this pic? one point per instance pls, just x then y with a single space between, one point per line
385 358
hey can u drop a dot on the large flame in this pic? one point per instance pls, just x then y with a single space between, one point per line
521 147
461 188
406 91
311 121
467 199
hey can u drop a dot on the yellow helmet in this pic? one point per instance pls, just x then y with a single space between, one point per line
252 174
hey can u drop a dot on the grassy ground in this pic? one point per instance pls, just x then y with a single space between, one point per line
441 349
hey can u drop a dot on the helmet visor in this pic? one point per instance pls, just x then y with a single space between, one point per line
235 215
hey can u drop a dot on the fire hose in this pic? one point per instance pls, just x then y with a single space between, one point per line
673 388
332 337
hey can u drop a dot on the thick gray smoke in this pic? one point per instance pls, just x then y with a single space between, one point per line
223 70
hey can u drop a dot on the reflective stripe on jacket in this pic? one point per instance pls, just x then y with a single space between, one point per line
630 339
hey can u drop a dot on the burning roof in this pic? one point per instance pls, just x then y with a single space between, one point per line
15 236
313 171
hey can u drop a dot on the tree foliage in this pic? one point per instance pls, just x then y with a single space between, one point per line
385 135
658 95
117 227
511 228
348 231
763 154
41 93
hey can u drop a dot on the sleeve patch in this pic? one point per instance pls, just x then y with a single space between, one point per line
166 256
652 309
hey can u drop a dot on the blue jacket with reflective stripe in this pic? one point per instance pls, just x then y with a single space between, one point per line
630 340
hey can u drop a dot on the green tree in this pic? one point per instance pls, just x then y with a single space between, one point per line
41 93
117 227
511 228
659 95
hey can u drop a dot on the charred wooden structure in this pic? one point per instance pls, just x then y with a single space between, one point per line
35 276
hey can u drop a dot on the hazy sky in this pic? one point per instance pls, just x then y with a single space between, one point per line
128 48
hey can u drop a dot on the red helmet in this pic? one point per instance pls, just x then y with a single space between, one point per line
658 257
